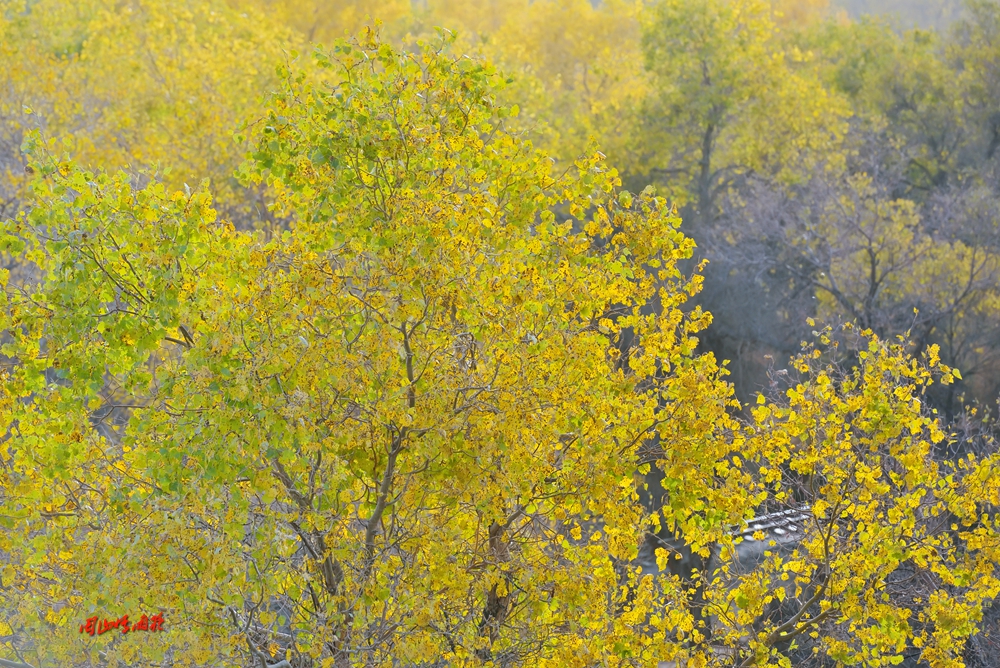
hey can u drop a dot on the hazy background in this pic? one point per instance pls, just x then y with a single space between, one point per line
938 14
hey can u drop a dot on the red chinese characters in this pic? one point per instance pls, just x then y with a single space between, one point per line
92 627
154 623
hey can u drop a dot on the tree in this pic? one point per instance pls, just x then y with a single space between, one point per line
399 431
975 52
726 100
136 85
904 87
582 83
899 555
847 248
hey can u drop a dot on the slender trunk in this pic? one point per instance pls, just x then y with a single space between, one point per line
705 175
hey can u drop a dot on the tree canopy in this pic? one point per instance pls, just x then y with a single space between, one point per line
362 355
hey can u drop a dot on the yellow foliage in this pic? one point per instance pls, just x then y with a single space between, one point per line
402 422
136 85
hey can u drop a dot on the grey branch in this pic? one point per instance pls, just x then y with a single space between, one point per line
4 663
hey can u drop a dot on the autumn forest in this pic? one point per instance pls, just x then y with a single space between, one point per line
499 333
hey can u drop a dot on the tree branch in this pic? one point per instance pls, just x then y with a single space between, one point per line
5 663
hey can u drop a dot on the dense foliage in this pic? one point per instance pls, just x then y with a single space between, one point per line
360 354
